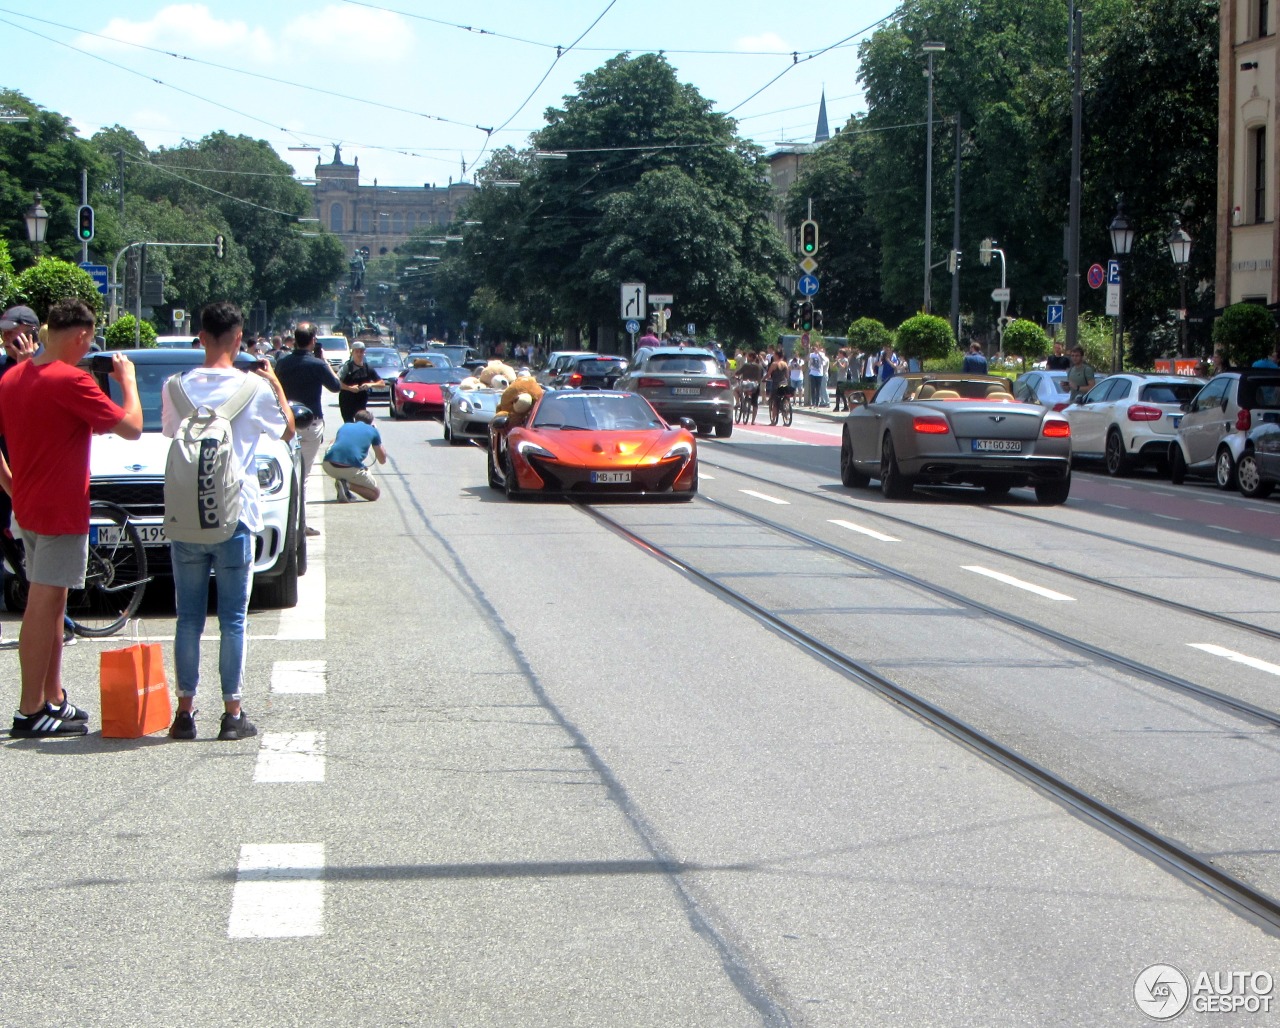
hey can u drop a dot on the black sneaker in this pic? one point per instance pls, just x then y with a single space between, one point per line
44 723
236 727
69 712
184 725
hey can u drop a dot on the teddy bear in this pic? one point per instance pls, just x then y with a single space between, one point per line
518 399
469 383
496 375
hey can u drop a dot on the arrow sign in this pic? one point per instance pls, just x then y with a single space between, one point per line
1054 314
807 285
1001 295
633 300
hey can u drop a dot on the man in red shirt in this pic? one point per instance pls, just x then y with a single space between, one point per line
49 409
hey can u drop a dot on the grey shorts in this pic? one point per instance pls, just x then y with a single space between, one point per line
57 560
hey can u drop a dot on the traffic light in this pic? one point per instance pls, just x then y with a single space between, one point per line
809 238
219 246
84 223
806 317
953 261
817 319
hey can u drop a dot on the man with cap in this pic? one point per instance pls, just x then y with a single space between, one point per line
305 376
357 378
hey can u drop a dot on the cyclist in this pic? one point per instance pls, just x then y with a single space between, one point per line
750 375
779 382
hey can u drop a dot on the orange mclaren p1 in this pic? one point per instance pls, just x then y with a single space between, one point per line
576 443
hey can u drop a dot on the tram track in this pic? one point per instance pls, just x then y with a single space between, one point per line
1234 892
1225 620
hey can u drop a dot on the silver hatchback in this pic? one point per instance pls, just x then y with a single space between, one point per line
685 383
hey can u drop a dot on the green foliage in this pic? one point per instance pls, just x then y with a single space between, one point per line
120 333
925 336
953 361
51 279
8 284
1025 339
1095 335
868 335
1245 332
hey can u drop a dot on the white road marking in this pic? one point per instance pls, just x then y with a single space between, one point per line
1166 517
766 496
290 757
867 531
1115 506
705 478
306 620
1215 503
1018 583
299 676
1239 658
1223 528
279 892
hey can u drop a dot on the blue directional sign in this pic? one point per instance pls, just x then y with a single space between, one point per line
1113 273
98 272
808 285
633 326
1054 316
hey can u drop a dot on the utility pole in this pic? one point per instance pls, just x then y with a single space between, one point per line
1072 311
955 243
120 159
930 49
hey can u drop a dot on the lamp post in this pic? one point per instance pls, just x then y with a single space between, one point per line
929 49
1121 243
1180 251
37 223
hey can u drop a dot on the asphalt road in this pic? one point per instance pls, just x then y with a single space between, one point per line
515 771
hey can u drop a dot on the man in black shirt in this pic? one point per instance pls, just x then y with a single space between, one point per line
304 377
1058 360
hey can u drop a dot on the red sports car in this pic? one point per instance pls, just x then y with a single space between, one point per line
593 444
423 392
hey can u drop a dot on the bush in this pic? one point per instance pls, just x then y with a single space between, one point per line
8 284
1245 332
120 333
926 336
1095 333
868 335
50 280
1025 339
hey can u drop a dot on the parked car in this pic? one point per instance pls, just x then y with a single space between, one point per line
598 371
1047 388
457 353
1127 420
557 361
437 359
685 383
1212 433
131 474
423 392
467 414
1258 469
959 430
191 341
335 349
592 443
388 363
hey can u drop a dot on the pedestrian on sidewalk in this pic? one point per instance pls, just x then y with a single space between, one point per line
345 460
357 379
796 371
266 414
304 376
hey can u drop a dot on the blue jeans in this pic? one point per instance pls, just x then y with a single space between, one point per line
192 562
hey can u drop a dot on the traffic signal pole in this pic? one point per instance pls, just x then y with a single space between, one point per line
1071 315
84 202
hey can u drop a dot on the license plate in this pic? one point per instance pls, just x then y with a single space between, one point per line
1175 419
997 445
610 477
112 535
686 390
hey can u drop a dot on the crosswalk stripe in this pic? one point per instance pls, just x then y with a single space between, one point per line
290 757
279 892
299 676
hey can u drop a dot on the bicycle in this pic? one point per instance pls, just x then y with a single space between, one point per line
115 575
747 403
780 406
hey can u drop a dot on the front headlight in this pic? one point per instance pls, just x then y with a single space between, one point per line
528 448
270 476
408 394
679 450
464 406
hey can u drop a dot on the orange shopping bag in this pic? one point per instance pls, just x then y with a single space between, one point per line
135 692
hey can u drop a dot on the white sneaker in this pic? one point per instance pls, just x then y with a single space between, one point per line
340 487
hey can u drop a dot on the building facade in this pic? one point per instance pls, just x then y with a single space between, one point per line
1248 267
381 217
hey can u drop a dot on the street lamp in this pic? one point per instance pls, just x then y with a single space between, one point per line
1180 251
1122 234
929 49
37 223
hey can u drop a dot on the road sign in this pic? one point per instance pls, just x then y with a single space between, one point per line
691 329
153 289
808 265
1113 301
179 315
1001 295
808 285
1113 273
633 300
1096 276
1054 316
633 326
660 299
98 272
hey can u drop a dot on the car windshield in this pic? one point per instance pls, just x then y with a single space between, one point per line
679 364
598 412
1261 393
434 376
457 354
337 343
433 360
151 377
599 365
1169 392
382 360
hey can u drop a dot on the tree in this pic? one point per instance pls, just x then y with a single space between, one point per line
120 333
926 336
1026 339
8 284
1245 332
868 335
50 280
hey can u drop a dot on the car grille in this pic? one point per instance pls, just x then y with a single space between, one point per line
653 478
142 499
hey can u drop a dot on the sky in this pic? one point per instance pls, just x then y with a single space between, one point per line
420 81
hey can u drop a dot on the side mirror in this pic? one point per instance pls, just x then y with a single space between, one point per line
499 423
689 424
303 416
1185 407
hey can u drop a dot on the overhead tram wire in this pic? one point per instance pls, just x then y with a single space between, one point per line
251 74
219 192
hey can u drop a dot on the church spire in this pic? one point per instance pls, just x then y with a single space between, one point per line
822 134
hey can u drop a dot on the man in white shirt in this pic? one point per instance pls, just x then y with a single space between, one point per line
268 413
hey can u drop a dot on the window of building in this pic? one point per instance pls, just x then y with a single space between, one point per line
397 223
1264 17
1258 165
408 222
366 222
336 222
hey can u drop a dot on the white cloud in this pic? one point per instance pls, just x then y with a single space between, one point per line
189 29
355 32
766 42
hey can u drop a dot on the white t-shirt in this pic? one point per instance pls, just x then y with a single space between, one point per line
212 386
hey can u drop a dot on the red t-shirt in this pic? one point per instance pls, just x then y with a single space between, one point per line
48 413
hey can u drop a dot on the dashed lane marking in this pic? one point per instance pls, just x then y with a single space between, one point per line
1116 506
279 892
705 478
1239 658
299 676
1166 517
306 620
1214 503
1223 528
867 531
1018 583
766 496
290 757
